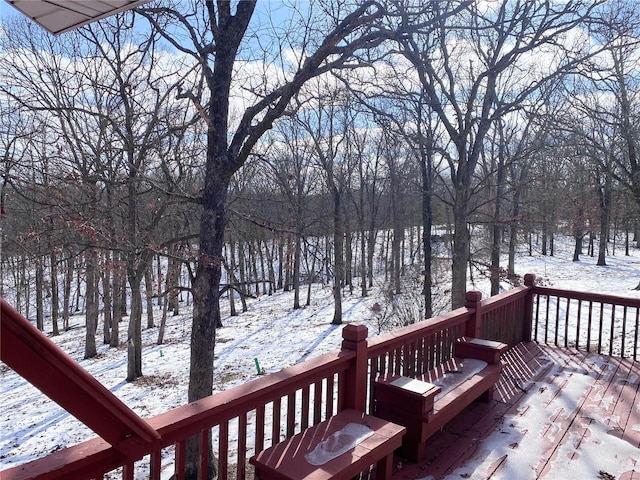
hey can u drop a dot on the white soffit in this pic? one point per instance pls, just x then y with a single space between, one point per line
59 16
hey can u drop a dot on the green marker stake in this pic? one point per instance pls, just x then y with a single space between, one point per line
257 366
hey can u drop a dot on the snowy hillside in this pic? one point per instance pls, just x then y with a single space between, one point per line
271 331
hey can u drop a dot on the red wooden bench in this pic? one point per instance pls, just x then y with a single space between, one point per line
424 404
338 448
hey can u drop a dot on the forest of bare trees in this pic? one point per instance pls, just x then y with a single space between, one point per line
210 150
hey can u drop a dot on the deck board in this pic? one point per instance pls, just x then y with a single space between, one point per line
555 410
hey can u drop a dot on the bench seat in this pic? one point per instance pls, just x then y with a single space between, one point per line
291 460
427 402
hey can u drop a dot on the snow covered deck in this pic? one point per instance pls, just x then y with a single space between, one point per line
557 413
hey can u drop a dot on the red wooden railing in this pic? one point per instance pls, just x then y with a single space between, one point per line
259 413
250 417
604 324
417 348
506 317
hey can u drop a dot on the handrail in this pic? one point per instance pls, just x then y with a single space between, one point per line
35 357
410 333
190 419
605 324
497 301
593 297
96 456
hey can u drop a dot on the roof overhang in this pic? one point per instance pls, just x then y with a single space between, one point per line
59 16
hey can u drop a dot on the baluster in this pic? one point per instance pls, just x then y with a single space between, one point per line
600 328
546 329
317 402
624 330
260 417
329 397
155 465
128 470
291 414
223 449
181 454
637 333
589 326
538 317
242 447
611 331
578 324
304 419
204 448
275 424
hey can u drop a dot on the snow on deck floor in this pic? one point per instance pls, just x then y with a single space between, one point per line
557 414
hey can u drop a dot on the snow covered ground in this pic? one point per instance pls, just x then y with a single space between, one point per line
271 331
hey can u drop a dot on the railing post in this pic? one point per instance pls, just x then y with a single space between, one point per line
529 281
354 337
473 300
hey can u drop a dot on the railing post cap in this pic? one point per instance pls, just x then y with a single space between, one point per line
473 296
529 279
355 332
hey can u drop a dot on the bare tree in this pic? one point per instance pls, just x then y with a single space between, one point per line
291 169
325 120
479 69
212 33
606 98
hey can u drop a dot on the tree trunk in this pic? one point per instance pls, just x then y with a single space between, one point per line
371 251
134 332
172 282
242 269
160 277
577 250
66 296
348 253
312 275
91 305
605 220
123 300
296 271
496 240
107 302
148 290
280 262
55 305
271 252
513 232
287 266
39 293
461 244
578 233
206 299
163 324
253 257
338 261
363 262
116 317
427 222
266 289
398 228
231 278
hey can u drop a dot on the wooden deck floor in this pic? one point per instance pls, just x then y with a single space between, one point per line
558 414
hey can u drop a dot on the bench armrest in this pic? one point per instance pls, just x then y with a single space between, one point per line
486 350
